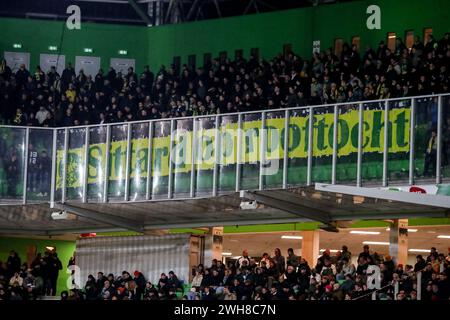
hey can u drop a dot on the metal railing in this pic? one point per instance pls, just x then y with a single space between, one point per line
140 161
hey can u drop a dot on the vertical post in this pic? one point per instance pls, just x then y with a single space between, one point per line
149 161
127 165
262 150
193 156
374 295
54 165
439 141
419 285
86 165
170 183
239 151
25 169
360 147
64 175
395 290
386 143
107 154
335 144
411 141
310 145
286 148
216 155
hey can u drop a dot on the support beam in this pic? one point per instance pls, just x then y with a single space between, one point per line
408 197
102 217
287 206
140 12
216 4
169 10
310 246
192 9
398 241
213 245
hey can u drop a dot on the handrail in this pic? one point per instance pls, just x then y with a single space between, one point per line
238 113
216 122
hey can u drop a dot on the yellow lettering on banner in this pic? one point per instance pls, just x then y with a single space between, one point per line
250 141
160 156
373 137
228 144
298 144
274 138
182 158
205 155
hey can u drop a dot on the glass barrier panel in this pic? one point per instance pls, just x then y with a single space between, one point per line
205 155
347 143
182 158
322 144
250 154
228 153
373 143
97 163
75 163
160 159
60 140
298 147
138 161
399 141
40 153
117 162
274 150
445 159
12 154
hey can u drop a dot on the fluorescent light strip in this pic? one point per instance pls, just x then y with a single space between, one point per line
292 237
442 236
419 250
364 232
376 243
226 253
331 250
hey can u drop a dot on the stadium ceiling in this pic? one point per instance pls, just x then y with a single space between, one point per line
334 207
149 12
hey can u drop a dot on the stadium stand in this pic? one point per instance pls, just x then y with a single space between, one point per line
38 99
333 277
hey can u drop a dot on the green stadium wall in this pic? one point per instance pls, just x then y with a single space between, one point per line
268 32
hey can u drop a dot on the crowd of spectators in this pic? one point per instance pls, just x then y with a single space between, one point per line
224 86
282 278
23 281
333 277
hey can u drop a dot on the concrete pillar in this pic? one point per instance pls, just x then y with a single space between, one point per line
398 241
310 246
213 245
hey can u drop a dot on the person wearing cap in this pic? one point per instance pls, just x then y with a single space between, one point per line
140 281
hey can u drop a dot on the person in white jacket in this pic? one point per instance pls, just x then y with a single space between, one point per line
197 280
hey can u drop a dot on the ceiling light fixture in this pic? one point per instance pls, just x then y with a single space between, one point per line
364 232
418 250
377 243
292 237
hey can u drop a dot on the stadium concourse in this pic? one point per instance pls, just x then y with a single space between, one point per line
317 173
